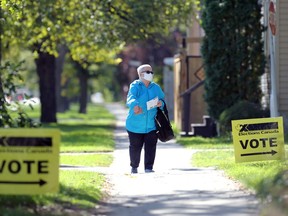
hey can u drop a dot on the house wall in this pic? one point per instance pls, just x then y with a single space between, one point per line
282 54
179 87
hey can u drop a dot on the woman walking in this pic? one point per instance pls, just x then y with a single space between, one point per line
143 98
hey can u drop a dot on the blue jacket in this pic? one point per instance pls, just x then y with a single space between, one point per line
139 94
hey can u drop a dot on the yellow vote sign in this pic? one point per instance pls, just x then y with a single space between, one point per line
29 161
258 139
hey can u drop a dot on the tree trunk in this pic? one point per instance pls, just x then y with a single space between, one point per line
45 64
60 100
83 79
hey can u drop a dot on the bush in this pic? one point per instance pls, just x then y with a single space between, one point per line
241 110
232 51
11 113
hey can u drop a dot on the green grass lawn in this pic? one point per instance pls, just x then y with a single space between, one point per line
251 174
206 143
102 160
91 132
80 191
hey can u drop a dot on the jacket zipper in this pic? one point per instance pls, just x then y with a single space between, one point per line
147 110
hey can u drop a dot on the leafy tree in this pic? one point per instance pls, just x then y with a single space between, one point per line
9 76
12 114
86 27
104 79
232 50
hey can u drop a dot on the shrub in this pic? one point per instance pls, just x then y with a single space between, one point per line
232 51
241 110
11 113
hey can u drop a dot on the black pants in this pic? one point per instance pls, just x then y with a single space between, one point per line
149 140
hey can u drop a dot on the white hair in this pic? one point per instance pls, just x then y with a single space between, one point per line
142 68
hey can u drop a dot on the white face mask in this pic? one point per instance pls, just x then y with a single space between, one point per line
148 77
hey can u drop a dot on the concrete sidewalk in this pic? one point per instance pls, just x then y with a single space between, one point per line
176 188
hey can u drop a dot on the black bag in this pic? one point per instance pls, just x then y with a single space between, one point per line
163 127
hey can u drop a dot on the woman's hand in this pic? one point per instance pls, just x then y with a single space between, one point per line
137 110
159 104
